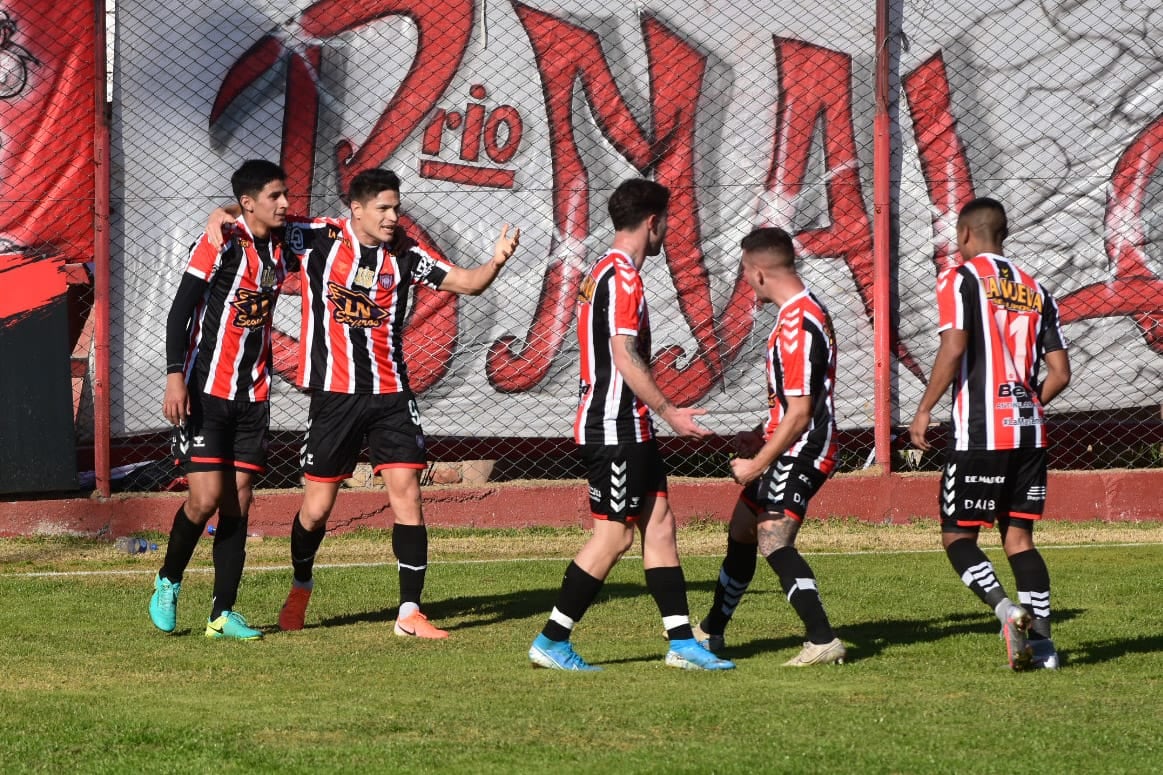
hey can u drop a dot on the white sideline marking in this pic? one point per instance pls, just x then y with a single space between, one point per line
267 568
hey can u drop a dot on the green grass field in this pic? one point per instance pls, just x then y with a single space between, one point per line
87 684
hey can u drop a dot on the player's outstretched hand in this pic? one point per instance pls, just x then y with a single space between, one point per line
216 227
682 420
506 245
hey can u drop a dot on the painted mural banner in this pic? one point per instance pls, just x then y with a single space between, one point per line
531 113
47 83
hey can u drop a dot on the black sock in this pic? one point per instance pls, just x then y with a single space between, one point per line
410 543
1032 578
229 557
668 588
184 536
304 545
734 577
578 592
976 571
795 576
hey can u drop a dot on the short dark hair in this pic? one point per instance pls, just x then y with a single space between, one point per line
252 177
635 200
985 213
370 182
770 238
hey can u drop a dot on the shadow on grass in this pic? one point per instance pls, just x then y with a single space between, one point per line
1094 652
485 610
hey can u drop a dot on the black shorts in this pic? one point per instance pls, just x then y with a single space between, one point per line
222 435
784 488
622 477
980 486
337 424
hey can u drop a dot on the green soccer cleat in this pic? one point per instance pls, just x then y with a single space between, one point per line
231 625
163 605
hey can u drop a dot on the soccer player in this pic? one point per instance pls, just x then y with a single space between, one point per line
217 397
997 325
784 462
615 434
356 274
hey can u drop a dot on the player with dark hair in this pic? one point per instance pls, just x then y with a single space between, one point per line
217 397
784 462
615 434
356 275
998 325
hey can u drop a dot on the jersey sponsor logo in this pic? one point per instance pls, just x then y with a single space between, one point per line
253 308
268 278
364 277
295 239
1022 422
980 504
585 294
425 266
1011 295
354 308
971 479
772 399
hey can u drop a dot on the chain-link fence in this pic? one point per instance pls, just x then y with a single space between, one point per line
753 115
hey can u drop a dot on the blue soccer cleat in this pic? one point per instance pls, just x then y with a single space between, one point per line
689 654
558 655
163 605
232 626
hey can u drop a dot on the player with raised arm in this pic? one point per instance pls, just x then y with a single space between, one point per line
356 275
786 461
998 325
615 435
217 397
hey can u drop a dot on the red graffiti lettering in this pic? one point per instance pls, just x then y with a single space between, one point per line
565 55
815 85
942 155
1135 289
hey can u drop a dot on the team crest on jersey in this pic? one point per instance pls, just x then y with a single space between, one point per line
387 281
585 294
354 308
253 308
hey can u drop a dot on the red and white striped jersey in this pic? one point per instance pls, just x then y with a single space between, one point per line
611 301
228 351
355 301
1011 322
801 361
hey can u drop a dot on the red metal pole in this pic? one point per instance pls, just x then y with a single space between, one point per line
101 148
881 232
